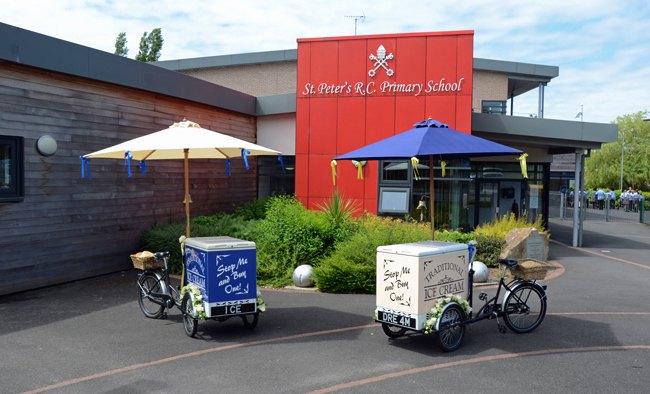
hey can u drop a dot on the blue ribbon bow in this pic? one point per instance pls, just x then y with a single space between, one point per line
281 163
127 161
143 167
85 169
227 167
245 153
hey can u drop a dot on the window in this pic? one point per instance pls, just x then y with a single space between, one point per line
493 107
394 200
271 179
11 169
395 171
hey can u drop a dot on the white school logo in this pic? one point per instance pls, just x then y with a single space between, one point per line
381 61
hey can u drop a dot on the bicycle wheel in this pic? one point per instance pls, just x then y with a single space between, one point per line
149 283
190 324
524 308
392 331
250 321
450 337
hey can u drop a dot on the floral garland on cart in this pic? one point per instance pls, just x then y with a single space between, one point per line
197 300
436 311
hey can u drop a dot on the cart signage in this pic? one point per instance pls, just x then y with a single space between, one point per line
234 275
232 309
395 319
443 278
195 267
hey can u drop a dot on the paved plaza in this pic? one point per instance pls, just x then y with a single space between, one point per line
90 337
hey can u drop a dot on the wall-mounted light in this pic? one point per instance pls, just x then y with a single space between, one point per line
359 166
46 145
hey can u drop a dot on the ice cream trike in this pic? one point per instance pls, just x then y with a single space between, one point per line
218 282
427 287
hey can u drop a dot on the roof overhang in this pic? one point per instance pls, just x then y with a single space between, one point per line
522 77
557 136
36 50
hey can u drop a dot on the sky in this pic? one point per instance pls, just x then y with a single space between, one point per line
602 47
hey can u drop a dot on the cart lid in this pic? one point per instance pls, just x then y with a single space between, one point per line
423 248
219 243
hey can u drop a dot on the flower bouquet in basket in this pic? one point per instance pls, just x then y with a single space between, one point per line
145 261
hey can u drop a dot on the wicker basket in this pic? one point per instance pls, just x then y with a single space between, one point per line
530 269
146 262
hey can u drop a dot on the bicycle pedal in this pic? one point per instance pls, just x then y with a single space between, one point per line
163 316
482 296
502 329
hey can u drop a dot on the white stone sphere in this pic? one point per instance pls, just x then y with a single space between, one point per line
481 272
302 276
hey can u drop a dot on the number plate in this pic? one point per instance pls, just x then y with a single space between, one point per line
396 320
232 310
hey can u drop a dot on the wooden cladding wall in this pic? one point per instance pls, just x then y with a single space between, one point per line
69 228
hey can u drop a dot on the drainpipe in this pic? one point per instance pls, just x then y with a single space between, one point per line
540 101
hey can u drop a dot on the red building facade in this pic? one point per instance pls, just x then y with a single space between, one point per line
353 91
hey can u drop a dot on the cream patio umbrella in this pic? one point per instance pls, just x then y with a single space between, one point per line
183 140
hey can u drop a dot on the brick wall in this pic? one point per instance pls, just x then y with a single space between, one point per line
488 86
255 79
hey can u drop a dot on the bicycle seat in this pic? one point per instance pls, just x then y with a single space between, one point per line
160 255
510 263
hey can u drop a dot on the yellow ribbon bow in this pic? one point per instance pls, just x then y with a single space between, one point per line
443 164
333 165
414 164
359 166
522 163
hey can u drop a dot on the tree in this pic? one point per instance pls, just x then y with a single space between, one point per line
150 46
120 45
603 168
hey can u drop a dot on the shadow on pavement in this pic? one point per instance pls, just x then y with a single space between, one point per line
47 305
555 332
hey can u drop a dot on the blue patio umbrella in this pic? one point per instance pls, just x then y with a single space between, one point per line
432 139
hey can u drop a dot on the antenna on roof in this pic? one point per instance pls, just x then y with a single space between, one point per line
357 18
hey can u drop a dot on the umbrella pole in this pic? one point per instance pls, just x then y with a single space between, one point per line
188 199
433 227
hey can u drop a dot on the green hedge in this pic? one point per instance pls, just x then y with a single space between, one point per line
351 268
291 235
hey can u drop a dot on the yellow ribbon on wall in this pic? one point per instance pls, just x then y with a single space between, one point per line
333 165
359 166
443 164
416 172
522 163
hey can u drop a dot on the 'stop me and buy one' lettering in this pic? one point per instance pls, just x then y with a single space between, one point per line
385 87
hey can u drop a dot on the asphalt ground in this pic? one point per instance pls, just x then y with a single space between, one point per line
90 337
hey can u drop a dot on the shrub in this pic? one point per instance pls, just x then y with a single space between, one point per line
488 249
351 267
289 236
254 210
500 227
338 211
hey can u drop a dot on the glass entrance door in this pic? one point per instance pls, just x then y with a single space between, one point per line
488 201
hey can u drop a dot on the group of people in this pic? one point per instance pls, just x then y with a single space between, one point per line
630 199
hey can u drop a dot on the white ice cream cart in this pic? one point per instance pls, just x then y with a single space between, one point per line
412 277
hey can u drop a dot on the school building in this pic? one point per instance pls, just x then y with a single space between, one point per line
327 96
